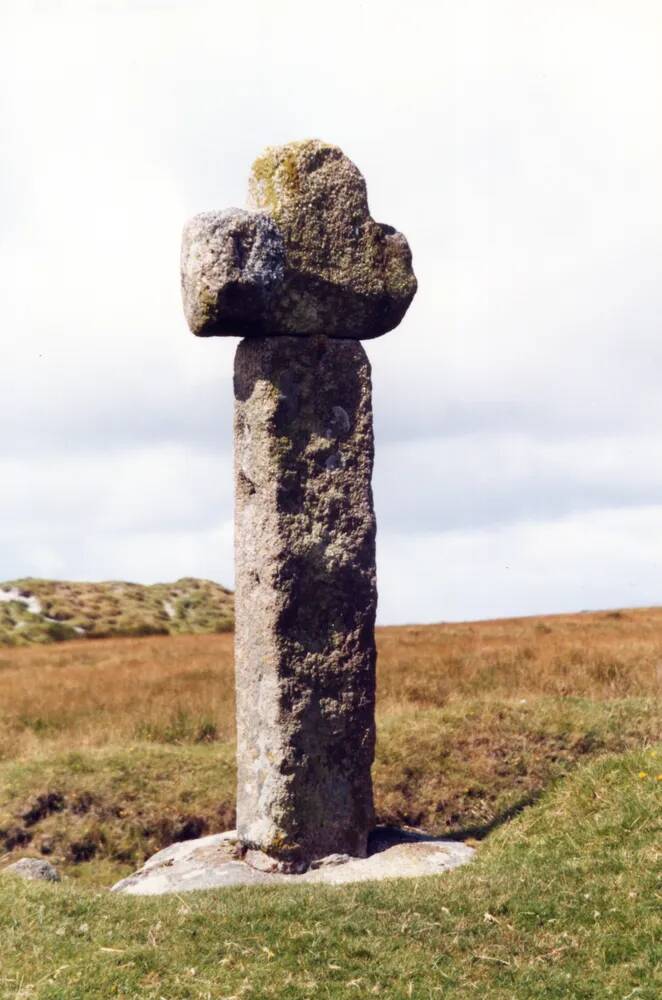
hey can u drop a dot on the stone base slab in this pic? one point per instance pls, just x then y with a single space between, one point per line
216 862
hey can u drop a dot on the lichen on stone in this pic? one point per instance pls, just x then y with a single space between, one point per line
319 263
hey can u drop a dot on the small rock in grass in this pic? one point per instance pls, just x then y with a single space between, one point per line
33 869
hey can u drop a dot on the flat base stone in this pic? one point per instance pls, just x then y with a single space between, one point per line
215 862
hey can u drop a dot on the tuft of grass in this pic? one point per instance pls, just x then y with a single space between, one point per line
180 727
560 903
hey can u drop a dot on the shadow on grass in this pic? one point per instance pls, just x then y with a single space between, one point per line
385 835
478 831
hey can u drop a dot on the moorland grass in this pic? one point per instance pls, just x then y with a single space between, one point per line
92 693
503 732
112 749
560 903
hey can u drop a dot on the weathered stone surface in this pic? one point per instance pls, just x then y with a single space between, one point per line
214 863
33 869
323 267
305 597
232 264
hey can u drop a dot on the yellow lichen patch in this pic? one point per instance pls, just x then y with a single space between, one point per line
276 175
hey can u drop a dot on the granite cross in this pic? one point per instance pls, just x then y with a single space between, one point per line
303 275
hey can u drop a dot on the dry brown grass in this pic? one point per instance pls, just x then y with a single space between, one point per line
598 655
116 690
87 694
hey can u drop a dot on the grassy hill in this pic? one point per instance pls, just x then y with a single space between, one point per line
534 738
43 611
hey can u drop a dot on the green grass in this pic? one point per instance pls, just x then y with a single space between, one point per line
99 813
72 610
559 904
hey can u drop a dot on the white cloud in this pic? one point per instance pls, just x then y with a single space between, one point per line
486 479
601 559
516 144
136 513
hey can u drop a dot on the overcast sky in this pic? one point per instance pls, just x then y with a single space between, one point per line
518 408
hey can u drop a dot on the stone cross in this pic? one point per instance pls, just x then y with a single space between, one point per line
303 275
